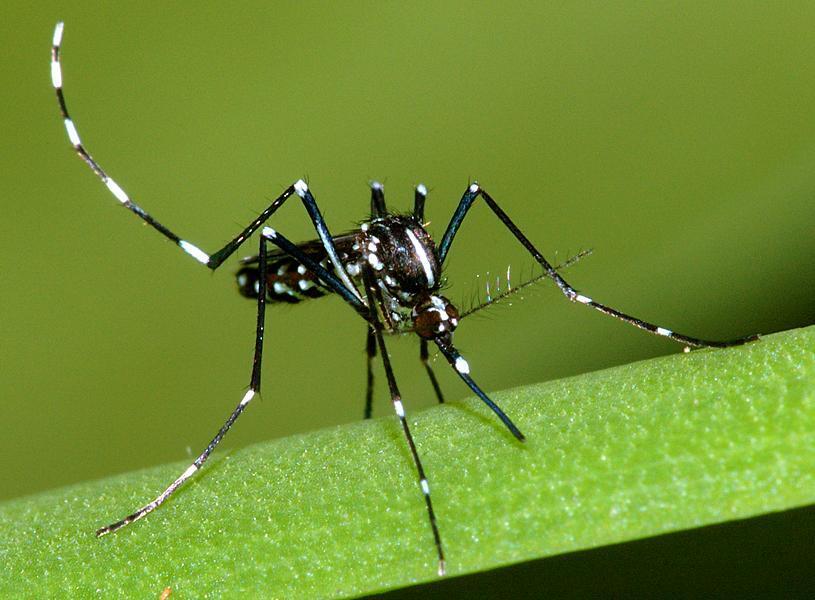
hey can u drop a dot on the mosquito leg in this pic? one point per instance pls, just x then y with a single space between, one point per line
254 389
424 357
378 208
419 198
463 369
467 200
396 398
213 261
370 349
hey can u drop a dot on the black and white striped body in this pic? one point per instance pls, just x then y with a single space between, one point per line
397 248
287 280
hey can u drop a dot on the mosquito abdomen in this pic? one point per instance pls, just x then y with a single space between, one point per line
286 281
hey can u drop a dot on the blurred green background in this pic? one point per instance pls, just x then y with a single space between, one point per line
676 140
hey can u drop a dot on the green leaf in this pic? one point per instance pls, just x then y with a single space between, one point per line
635 451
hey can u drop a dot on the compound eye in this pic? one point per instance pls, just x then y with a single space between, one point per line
435 317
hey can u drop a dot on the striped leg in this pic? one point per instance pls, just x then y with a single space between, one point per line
424 356
371 289
462 367
254 389
467 200
213 261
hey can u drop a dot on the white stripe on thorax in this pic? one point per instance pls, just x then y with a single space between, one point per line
420 251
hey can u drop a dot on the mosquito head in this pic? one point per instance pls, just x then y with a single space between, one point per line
434 317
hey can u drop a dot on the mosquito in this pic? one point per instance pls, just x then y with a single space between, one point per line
388 270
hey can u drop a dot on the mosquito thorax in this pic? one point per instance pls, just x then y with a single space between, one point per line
403 256
434 317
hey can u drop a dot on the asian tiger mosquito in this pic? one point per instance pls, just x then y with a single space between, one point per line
388 270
